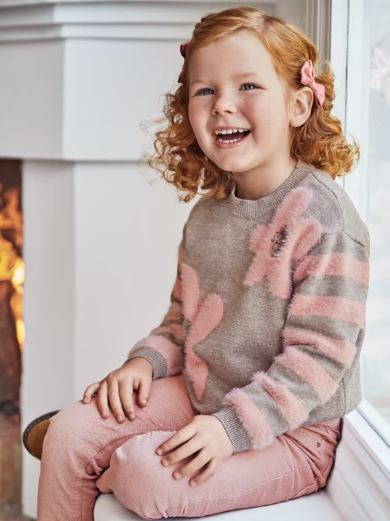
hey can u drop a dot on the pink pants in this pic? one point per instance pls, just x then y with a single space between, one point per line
84 454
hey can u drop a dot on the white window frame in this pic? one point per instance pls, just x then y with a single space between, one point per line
360 482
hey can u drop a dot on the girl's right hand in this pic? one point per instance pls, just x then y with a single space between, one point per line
117 389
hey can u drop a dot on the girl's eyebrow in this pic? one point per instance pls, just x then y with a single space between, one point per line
242 75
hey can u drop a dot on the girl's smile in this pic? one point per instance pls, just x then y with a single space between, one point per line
231 139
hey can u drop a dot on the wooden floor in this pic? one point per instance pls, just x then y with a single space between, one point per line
12 513
10 465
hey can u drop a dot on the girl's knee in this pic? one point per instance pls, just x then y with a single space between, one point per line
71 423
141 481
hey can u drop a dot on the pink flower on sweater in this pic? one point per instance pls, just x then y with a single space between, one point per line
204 314
288 236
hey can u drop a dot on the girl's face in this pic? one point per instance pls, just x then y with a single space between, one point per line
233 83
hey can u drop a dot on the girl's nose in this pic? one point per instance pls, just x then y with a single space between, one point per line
224 104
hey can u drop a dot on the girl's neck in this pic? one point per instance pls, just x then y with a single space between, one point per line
262 181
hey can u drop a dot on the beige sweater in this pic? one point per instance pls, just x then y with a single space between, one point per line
267 314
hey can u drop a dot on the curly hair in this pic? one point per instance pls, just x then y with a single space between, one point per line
319 141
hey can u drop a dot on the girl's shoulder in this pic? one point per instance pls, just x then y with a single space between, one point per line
331 205
202 206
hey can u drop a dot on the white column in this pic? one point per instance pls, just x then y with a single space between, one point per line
100 248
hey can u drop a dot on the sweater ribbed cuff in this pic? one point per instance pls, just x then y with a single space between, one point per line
236 431
152 356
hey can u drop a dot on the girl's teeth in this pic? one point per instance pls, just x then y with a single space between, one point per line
228 140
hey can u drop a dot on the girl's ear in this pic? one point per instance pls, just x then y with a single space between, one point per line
303 100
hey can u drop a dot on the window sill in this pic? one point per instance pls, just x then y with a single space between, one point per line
359 485
306 508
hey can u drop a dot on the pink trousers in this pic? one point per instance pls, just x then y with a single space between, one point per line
84 454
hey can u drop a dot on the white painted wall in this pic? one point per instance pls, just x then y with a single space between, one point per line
127 234
31 98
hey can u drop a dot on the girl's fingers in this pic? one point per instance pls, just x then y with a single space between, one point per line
144 392
126 397
115 402
102 401
195 464
89 391
192 447
210 469
180 437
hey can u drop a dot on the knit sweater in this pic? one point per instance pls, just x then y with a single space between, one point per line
267 314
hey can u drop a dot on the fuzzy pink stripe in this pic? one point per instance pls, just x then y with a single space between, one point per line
251 417
333 264
339 308
190 292
291 406
169 350
175 329
341 350
308 369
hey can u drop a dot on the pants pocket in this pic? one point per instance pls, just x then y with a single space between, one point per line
309 441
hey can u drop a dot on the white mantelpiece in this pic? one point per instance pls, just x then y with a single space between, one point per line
81 76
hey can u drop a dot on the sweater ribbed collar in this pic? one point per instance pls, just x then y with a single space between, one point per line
251 209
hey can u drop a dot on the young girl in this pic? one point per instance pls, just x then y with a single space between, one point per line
242 389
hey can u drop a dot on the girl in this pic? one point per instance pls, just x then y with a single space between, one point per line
242 389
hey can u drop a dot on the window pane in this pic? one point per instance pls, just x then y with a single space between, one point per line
374 204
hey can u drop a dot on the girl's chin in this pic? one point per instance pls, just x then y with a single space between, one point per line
231 166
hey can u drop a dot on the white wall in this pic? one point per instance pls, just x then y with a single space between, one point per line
31 94
126 237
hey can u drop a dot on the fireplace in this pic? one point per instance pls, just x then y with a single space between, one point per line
11 329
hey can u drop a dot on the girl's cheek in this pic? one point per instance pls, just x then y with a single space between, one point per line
255 106
196 114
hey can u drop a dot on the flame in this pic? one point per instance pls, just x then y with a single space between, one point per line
11 263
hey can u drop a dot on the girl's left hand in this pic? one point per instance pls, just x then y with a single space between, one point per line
204 433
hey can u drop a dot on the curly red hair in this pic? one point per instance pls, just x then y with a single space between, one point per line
319 141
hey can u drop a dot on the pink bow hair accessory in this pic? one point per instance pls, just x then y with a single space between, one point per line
183 52
307 78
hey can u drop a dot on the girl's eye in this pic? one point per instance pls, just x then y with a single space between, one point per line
243 85
250 84
202 90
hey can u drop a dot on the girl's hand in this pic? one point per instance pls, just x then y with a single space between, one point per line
117 388
204 433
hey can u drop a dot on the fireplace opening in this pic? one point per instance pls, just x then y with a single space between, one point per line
11 330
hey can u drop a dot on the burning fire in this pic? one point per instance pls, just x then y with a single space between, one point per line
11 263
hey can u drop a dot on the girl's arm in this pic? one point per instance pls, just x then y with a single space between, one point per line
163 347
323 334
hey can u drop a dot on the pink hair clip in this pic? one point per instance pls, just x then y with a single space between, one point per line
307 78
183 52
